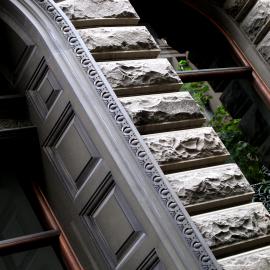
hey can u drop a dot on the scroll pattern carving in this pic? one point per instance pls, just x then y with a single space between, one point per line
186 229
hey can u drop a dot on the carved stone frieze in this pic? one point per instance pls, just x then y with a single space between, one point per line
107 39
256 19
97 9
136 73
258 259
185 145
152 109
208 184
241 223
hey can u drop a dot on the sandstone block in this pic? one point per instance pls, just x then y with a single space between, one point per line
186 148
172 110
140 76
234 225
116 43
99 12
256 18
212 183
233 7
258 259
264 48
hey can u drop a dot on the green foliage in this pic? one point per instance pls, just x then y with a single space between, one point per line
245 155
198 90
183 65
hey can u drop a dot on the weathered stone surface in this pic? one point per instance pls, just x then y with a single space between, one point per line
258 259
152 109
256 18
236 224
233 7
97 9
264 48
208 184
108 39
185 145
139 73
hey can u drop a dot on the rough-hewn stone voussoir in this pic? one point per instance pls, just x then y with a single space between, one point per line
256 18
258 259
139 73
212 183
186 145
264 48
234 225
111 39
160 108
233 7
97 9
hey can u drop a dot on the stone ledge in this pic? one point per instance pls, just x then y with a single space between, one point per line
114 43
187 148
233 7
174 110
256 18
141 76
207 188
234 225
258 259
85 13
264 48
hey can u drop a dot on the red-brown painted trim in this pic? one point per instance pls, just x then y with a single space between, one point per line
68 255
260 86
28 242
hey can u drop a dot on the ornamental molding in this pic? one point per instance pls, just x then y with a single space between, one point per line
187 230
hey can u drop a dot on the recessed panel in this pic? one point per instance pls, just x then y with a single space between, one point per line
111 219
113 224
151 262
44 89
49 90
72 151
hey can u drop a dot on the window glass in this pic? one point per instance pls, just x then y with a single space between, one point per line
17 217
37 259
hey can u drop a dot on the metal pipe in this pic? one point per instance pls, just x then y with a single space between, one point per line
28 242
216 73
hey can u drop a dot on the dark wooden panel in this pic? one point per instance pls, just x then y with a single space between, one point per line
71 150
151 262
112 223
43 89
